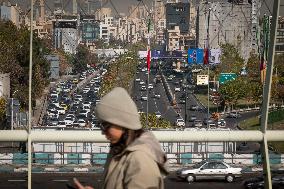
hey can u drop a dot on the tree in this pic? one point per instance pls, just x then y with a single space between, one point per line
231 61
81 58
253 69
14 58
3 104
232 91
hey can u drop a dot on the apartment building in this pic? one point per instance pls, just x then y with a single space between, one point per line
10 12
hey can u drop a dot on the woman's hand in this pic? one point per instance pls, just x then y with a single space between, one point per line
79 185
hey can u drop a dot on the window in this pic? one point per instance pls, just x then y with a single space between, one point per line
209 165
220 166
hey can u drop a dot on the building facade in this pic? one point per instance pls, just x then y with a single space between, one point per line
4 85
228 23
10 12
66 34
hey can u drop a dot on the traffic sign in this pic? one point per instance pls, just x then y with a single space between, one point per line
224 77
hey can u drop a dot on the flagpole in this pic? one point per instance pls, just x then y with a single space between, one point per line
148 70
207 61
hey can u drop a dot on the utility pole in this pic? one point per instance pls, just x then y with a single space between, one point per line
207 60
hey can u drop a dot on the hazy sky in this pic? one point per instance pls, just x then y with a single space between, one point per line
122 5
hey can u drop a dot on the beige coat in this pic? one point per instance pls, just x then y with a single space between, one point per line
139 166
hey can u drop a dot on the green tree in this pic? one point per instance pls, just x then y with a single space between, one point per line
252 67
14 58
3 104
231 60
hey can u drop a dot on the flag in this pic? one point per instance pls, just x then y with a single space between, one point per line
264 54
206 56
148 59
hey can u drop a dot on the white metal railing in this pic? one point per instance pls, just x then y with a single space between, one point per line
162 136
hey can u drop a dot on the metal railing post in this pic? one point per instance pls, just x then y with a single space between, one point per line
266 96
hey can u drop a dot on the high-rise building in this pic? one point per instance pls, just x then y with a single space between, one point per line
177 14
66 34
102 13
279 45
228 23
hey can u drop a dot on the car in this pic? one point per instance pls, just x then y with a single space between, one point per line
158 115
150 86
64 106
144 98
180 122
138 79
86 90
53 121
75 81
207 121
81 122
157 95
194 107
209 170
221 123
192 117
258 182
61 124
143 88
61 110
84 113
177 89
197 123
141 83
234 114
69 120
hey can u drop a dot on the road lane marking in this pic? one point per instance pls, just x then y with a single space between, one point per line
62 180
16 180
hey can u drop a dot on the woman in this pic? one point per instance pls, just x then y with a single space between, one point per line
135 160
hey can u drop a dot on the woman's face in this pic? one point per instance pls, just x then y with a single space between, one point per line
112 132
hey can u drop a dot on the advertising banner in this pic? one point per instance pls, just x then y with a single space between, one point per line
214 57
142 54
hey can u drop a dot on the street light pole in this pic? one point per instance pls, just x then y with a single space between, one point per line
12 113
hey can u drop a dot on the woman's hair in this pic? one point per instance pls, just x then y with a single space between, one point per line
126 139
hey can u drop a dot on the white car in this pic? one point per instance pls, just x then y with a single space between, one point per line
86 90
141 83
157 95
209 170
177 89
221 123
81 122
69 121
180 122
158 115
144 98
151 86
143 88
61 110
137 79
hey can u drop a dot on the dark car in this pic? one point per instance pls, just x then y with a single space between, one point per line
192 117
258 182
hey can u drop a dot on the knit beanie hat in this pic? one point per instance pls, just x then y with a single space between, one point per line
118 108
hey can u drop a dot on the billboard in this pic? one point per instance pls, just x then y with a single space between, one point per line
142 54
195 56
224 77
202 80
214 57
